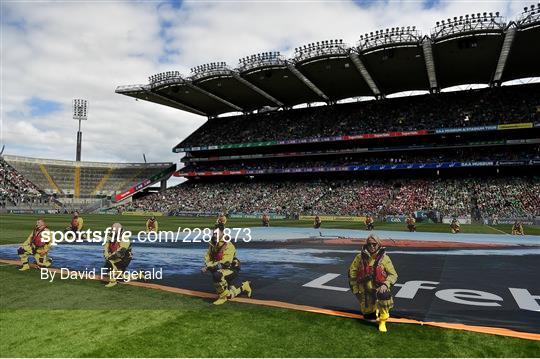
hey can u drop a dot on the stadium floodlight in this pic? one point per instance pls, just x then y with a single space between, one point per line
530 16
80 109
389 37
479 22
80 113
267 58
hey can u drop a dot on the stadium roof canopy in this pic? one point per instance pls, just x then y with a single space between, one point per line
472 49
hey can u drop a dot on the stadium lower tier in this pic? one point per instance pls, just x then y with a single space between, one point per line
479 197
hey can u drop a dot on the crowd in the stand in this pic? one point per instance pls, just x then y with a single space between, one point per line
509 196
514 198
490 106
461 155
242 197
449 197
14 188
354 197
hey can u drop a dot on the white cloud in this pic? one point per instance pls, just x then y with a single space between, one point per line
60 51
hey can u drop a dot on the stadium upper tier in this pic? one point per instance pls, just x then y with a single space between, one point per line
478 48
86 179
481 107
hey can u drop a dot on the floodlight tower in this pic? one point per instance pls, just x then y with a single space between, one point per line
80 111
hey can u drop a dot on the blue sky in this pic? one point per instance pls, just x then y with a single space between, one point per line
42 107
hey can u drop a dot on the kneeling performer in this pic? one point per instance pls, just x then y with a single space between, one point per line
371 277
117 253
265 220
411 223
454 226
36 246
220 260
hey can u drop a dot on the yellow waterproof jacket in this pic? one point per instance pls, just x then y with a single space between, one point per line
221 253
385 262
221 220
517 229
42 247
148 229
123 248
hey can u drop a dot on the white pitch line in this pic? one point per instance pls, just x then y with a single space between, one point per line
498 230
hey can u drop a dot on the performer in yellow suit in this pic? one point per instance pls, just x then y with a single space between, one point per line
36 246
411 223
369 223
517 229
220 260
455 227
265 220
117 253
152 224
317 222
371 277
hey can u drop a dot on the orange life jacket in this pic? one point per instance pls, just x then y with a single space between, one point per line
216 256
113 247
36 237
374 272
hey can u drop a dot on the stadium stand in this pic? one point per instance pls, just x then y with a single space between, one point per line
15 189
456 109
464 154
455 153
86 179
517 196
